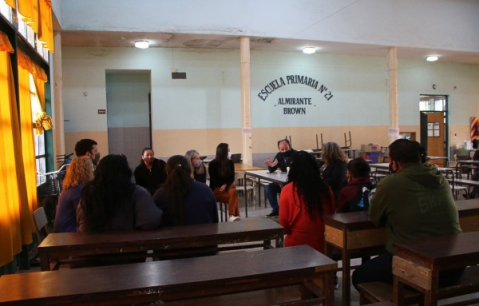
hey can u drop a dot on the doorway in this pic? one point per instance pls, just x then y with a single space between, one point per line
434 127
128 113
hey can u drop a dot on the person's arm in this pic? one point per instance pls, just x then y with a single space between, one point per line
147 214
213 172
378 205
272 164
285 205
337 174
231 176
159 197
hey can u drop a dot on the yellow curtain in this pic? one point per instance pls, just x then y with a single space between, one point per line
11 3
45 28
38 15
26 130
16 222
42 120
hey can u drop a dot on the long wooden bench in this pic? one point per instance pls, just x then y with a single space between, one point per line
173 280
167 242
379 291
356 236
418 264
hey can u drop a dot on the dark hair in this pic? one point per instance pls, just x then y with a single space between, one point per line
222 158
83 146
407 151
475 143
285 140
307 182
143 152
177 187
110 192
358 167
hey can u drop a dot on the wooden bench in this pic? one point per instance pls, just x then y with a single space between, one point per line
379 291
418 264
356 236
173 280
167 241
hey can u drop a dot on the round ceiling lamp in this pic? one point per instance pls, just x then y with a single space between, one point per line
309 50
142 44
432 58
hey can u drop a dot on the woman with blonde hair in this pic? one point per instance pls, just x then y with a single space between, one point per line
79 172
198 172
335 167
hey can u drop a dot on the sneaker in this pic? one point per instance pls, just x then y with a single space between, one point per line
233 219
272 214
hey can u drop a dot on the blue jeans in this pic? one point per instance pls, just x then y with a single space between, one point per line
272 191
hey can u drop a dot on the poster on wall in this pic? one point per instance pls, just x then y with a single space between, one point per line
474 128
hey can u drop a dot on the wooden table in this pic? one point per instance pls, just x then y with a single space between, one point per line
418 263
173 280
355 235
63 245
276 177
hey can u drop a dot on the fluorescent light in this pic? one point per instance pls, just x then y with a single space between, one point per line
309 50
142 44
432 58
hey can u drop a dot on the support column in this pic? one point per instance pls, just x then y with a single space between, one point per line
393 131
57 98
245 71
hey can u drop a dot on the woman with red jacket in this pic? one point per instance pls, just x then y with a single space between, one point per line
303 202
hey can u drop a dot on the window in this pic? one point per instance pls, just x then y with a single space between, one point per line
40 151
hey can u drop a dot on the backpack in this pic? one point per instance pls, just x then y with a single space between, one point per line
360 202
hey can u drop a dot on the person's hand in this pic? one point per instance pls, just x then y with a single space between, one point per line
270 163
223 188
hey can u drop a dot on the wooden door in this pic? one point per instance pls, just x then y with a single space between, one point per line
433 130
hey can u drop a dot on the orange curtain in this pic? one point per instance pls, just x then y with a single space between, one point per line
38 15
16 222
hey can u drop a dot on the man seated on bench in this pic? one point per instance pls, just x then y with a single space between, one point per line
413 202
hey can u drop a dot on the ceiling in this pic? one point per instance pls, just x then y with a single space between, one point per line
168 40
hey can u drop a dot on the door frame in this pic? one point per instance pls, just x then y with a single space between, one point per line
423 123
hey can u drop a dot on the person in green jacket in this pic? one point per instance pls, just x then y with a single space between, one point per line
413 202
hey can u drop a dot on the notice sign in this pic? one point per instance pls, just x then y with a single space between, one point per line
101 111
247 131
393 132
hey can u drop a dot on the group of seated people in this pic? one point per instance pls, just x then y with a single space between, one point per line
104 197
414 202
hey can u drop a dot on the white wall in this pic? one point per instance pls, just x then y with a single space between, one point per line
209 99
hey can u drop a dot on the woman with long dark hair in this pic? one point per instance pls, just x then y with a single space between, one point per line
222 181
303 202
182 199
335 167
112 202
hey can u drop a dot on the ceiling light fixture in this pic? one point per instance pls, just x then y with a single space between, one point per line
432 58
309 50
142 44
